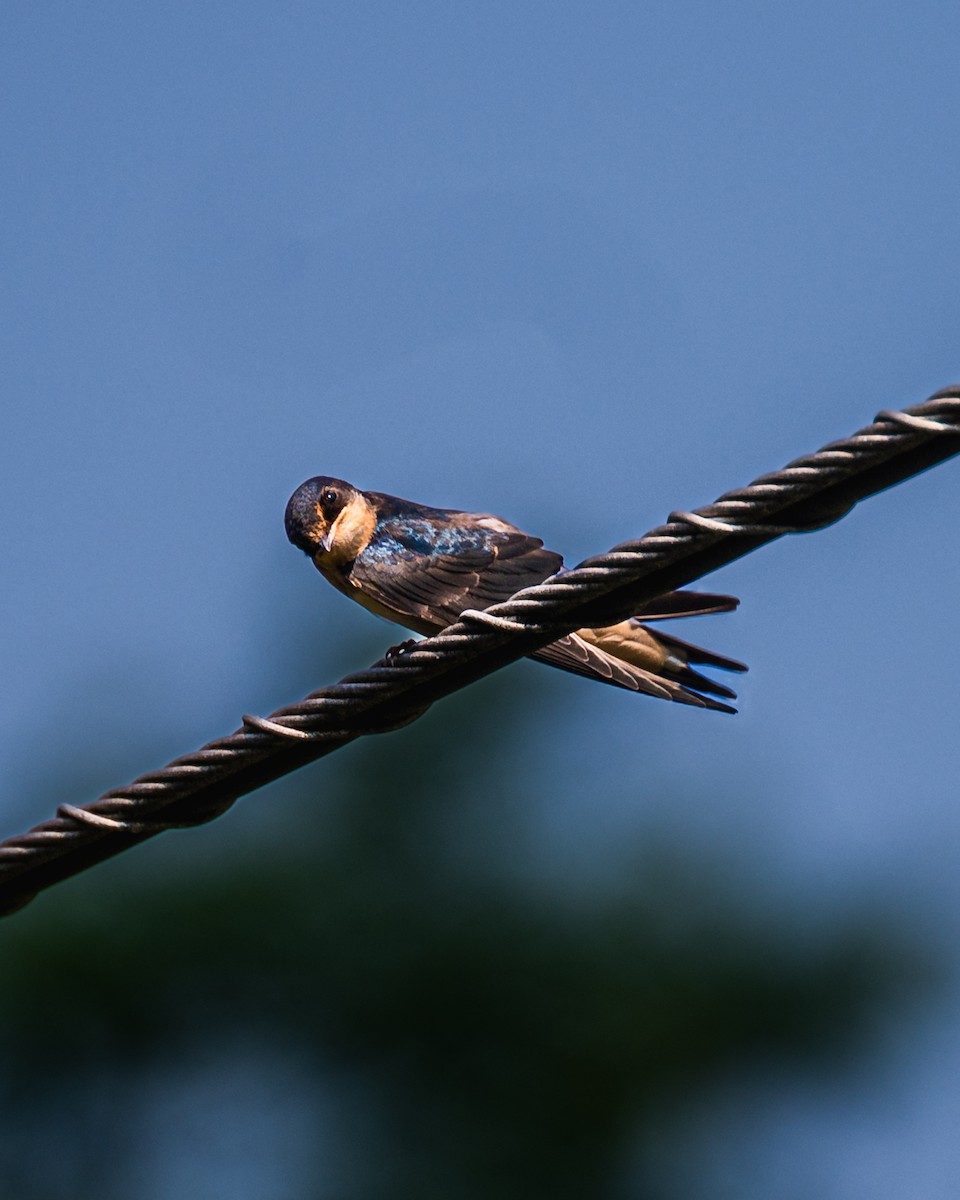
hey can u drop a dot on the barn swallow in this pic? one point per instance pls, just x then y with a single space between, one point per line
421 567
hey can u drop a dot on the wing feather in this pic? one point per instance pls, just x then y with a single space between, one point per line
428 590
573 654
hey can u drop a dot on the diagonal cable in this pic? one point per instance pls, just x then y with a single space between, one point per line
807 494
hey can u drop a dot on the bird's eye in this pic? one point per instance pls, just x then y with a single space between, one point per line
328 498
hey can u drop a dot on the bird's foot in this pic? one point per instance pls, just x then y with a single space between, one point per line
396 652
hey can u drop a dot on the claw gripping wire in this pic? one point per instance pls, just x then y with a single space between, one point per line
806 495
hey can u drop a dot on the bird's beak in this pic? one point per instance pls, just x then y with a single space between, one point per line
327 541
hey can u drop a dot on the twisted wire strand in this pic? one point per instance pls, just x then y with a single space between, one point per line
808 494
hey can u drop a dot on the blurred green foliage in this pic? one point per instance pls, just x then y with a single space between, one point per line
443 1024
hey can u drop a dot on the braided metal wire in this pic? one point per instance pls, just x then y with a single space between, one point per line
807 494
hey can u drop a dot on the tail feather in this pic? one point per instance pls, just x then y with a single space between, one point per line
631 655
701 683
697 654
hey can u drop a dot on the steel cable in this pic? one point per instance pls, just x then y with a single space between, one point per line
807 494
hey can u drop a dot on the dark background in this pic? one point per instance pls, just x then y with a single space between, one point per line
577 265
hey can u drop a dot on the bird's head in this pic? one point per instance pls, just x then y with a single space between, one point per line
329 520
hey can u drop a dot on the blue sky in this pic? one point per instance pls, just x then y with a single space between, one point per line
575 264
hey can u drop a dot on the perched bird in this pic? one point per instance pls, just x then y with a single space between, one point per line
421 567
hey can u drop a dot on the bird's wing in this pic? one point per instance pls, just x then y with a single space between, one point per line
668 674
430 588
423 571
686 604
